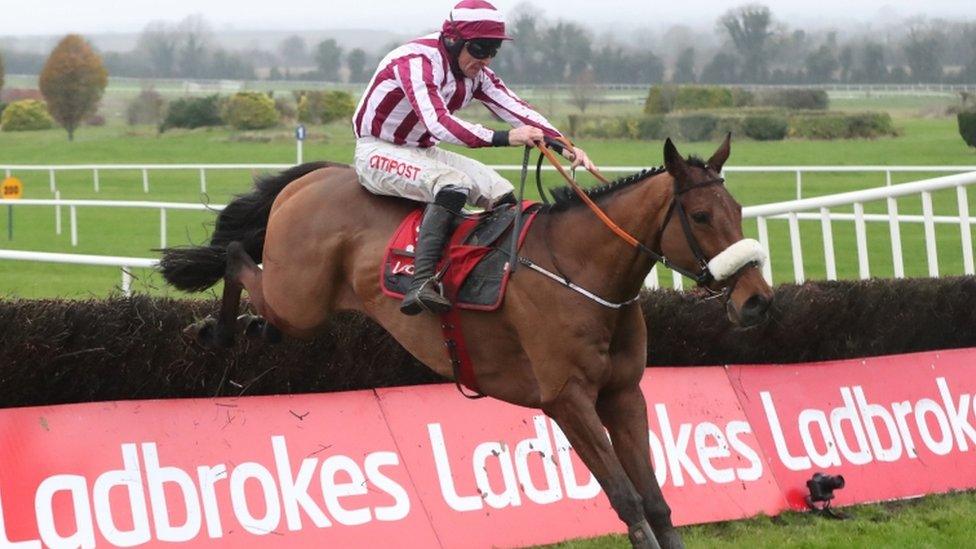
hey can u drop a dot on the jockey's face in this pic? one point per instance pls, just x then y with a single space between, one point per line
471 65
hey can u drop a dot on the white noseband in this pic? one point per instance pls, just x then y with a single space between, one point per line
735 257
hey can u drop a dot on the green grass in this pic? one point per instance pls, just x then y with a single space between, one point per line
931 141
936 521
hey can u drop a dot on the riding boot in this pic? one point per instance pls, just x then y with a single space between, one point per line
435 229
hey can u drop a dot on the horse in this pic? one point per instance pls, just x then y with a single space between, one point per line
577 356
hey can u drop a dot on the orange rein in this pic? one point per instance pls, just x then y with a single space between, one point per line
582 194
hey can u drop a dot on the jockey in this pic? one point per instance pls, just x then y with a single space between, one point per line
408 108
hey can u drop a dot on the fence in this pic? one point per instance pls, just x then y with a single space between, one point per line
792 211
202 169
795 210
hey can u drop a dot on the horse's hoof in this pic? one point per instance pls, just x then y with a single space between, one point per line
255 327
208 334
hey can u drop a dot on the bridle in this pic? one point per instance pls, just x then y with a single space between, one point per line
728 263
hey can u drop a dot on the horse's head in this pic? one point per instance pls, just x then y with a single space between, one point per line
705 216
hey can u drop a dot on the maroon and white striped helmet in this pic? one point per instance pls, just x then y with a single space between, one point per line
471 19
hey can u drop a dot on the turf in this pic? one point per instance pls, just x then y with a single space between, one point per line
936 521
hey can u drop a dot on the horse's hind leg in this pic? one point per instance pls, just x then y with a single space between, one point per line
243 273
624 413
574 412
220 331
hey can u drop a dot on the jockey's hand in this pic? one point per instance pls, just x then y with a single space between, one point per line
579 158
525 135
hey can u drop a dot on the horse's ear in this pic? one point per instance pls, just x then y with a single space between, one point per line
675 164
721 154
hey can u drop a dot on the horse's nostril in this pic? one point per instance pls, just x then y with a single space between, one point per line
756 305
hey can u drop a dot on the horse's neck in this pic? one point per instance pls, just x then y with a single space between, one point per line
601 259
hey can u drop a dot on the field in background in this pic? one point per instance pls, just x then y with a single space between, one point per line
935 521
926 140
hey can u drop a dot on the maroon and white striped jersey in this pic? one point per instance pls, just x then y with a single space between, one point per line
413 95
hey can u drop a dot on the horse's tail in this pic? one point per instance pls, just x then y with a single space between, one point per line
196 268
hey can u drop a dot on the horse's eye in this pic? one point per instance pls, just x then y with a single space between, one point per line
701 217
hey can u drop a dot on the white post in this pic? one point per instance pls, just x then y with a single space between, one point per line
799 184
764 240
930 247
95 178
54 186
145 180
162 227
652 280
895 229
126 282
8 173
74 225
299 146
888 177
828 241
203 181
862 241
57 213
967 237
798 275
677 280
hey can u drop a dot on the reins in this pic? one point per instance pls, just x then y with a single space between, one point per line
701 278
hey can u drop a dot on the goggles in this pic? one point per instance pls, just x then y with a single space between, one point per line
483 48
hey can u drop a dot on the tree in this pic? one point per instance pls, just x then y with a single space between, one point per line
922 51
236 66
968 75
159 43
293 51
873 67
584 90
720 70
523 60
684 67
328 57
72 81
821 65
356 60
195 37
748 26
1 70
566 50
846 60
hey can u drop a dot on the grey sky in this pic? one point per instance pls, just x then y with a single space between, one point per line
46 17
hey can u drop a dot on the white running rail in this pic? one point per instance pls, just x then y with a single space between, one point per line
793 211
819 209
202 169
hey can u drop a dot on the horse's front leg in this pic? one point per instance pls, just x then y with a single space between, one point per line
573 410
624 413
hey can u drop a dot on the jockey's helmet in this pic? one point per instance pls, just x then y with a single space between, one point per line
472 19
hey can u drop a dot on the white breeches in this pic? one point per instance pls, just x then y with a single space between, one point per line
418 174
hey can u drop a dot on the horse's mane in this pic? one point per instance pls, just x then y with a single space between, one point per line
565 197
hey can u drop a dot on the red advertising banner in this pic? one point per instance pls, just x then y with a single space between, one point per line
893 426
299 471
427 468
490 474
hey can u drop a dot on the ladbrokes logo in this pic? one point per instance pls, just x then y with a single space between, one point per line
697 453
864 430
292 495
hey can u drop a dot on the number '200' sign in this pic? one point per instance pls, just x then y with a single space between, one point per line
12 188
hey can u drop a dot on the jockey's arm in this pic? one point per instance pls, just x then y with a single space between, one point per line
530 125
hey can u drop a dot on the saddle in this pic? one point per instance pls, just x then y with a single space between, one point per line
474 267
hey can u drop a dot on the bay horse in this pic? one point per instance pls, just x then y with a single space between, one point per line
322 237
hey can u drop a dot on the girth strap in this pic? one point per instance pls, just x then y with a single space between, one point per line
457 352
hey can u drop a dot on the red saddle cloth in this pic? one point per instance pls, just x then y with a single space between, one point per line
476 257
